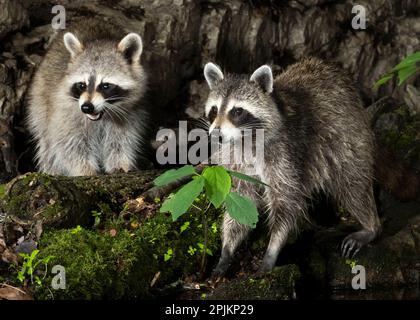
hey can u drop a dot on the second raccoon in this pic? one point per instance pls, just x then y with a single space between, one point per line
85 110
316 138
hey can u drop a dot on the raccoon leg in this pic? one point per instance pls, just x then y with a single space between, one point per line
360 205
278 239
233 233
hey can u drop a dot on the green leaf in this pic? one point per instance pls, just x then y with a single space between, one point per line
173 175
246 178
179 203
408 61
383 80
406 68
404 74
76 230
214 227
217 183
242 209
168 255
208 251
185 226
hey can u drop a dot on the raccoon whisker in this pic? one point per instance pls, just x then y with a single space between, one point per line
110 114
201 120
253 123
122 114
116 98
118 114
116 111
202 126
201 123
249 128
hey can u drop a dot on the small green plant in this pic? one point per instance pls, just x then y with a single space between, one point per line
408 67
351 262
30 265
214 183
168 255
97 215
76 230
210 188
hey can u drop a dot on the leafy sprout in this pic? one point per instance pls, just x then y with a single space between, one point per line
408 67
215 184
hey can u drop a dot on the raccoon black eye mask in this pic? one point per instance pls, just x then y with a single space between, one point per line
308 146
111 93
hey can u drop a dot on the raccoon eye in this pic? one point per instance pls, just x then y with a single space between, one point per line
237 112
105 86
81 86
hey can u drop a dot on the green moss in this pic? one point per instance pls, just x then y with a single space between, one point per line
2 190
101 266
52 210
404 139
98 265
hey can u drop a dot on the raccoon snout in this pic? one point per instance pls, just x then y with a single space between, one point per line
87 107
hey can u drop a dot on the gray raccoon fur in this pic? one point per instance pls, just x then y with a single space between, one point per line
317 139
68 142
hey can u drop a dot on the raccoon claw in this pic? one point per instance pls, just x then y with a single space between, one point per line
217 274
220 270
350 247
355 241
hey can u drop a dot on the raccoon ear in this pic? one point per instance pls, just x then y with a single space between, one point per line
72 44
213 74
131 46
263 77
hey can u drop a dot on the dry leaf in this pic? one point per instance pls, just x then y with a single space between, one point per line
12 293
9 257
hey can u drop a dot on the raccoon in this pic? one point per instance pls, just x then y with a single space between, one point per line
316 139
84 105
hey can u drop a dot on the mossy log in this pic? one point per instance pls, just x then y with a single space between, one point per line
131 248
64 201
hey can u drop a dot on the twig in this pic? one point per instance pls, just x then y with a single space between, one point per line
203 258
12 287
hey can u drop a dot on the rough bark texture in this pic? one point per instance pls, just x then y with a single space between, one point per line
180 36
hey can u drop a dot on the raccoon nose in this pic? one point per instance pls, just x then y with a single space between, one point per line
87 107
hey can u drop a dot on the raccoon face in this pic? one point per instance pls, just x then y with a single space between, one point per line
105 78
237 105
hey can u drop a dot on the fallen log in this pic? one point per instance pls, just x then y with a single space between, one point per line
54 214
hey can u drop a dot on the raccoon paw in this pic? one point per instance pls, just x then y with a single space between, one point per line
264 268
354 242
220 270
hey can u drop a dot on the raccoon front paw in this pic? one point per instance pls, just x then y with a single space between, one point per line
264 268
117 170
355 241
122 167
220 270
